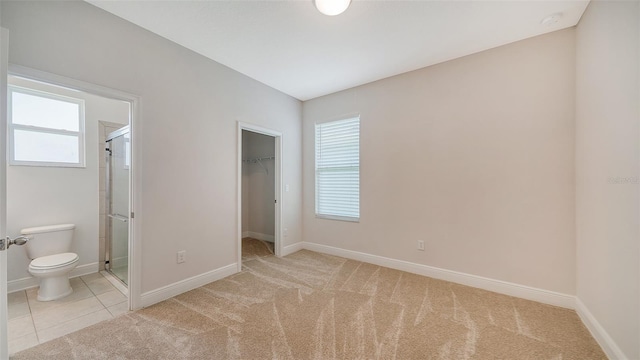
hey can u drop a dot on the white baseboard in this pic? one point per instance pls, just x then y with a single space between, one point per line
259 236
83 270
499 286
155 296
605 341
31 282
290 249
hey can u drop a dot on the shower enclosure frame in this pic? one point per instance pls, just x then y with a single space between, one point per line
108 207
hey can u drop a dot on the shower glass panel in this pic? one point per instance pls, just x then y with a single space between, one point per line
117 251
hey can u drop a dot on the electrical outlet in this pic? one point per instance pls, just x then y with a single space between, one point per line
421 245
182 256
285 232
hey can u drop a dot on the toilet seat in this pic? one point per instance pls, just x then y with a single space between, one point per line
55 261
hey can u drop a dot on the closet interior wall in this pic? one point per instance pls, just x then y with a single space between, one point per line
258 186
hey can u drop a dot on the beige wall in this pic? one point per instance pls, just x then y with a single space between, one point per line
188 129
258 191
38 196
607 170
474 156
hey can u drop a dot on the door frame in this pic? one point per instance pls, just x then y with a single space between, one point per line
278 187
135 180
4 315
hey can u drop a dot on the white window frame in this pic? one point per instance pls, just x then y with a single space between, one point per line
12 127
315 136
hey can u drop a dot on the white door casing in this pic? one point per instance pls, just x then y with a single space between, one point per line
135 252
4 316
278 187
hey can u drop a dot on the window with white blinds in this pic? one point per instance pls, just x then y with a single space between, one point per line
338 169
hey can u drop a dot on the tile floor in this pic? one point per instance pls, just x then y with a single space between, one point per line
32 322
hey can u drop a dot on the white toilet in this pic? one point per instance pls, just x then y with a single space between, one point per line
48 247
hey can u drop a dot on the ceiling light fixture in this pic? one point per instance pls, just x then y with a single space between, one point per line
332 7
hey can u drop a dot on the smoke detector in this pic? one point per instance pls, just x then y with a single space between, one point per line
551 19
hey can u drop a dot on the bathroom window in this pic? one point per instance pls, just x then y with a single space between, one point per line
338 169
45 129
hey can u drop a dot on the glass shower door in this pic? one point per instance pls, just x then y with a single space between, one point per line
117 253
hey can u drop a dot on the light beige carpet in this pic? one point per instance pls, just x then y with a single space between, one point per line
254 248
314 306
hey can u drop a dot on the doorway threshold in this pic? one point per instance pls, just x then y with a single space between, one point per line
115 282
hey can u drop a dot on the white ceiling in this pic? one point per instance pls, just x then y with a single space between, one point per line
290 46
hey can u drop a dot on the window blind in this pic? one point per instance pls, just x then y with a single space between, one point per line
338 169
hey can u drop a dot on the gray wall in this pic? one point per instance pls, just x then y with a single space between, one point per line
607 170
188 133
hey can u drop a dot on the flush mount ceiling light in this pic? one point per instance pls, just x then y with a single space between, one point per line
551 19
332 7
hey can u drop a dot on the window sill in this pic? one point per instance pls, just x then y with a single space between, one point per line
338 218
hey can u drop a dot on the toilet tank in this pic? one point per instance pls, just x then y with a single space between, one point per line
48 240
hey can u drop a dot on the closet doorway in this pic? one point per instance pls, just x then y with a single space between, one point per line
259 193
